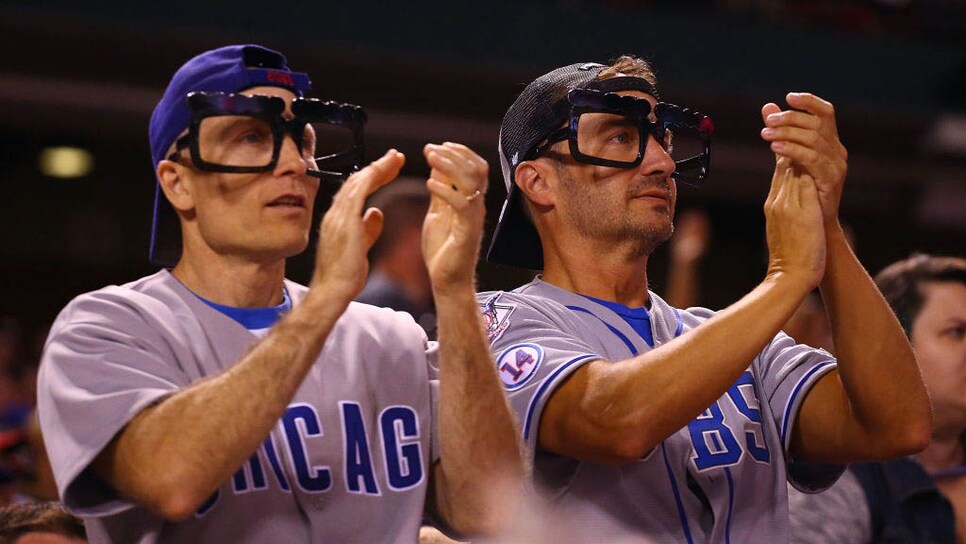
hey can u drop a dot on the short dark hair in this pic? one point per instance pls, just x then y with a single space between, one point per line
403 203
629 65
17 520
901 283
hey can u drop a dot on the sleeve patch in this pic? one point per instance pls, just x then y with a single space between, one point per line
518 364
496 317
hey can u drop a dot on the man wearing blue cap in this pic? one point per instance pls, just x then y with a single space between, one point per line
217 401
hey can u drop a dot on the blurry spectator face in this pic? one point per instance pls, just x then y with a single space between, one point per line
939 339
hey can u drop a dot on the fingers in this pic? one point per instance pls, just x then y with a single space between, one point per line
363 183
445 192
769 109
457 166
812 104
808 136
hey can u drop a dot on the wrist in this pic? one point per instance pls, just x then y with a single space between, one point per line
323 305
454 291
793 284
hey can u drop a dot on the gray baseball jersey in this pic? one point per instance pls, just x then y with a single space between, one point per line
720 479
347 462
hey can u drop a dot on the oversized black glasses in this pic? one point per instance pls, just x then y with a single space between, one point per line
607 129
237 133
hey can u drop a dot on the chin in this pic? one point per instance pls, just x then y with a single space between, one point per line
296 248
280 246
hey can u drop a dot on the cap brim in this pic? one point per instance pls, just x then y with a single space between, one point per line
515 241
165 249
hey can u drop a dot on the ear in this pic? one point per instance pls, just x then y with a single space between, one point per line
534 179
172 178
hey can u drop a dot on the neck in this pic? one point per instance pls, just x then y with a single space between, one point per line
232 281
608 271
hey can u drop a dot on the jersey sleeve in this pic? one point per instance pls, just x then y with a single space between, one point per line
432 359
787 373
537 346
103 363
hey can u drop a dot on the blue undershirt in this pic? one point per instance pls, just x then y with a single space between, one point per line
638 318
254 319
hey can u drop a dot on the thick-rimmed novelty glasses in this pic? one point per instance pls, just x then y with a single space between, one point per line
607 129
238 133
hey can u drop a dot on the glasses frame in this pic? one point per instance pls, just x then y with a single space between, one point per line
668 116
270 108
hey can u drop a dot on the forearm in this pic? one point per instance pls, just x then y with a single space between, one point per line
617 412
881 380
480 446
173 455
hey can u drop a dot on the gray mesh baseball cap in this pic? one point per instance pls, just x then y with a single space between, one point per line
540 109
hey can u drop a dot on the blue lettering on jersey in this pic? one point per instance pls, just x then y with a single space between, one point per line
358 456
272 456
404 465
256 473
240 479
300 421
745 396
714 441
399 426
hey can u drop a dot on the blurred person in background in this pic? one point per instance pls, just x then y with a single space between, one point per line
809 324
922 498
398 278
688 247
24 471
40 523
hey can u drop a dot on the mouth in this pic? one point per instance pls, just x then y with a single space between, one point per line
288 201
652 188
661 195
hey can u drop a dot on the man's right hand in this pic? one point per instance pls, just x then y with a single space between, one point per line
346 233
793 227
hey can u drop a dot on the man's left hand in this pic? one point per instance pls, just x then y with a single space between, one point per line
454 224
807 135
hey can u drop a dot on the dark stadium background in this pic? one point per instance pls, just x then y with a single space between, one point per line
89 75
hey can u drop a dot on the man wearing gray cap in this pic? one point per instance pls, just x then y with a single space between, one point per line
656 424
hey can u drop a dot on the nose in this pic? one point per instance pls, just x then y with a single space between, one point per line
656 159
290 159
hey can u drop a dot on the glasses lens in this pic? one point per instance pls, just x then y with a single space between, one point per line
236 140
334 147
687 147
608 136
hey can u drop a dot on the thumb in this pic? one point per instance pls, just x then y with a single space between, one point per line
372 222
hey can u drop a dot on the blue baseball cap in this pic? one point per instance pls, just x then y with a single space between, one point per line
228 69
